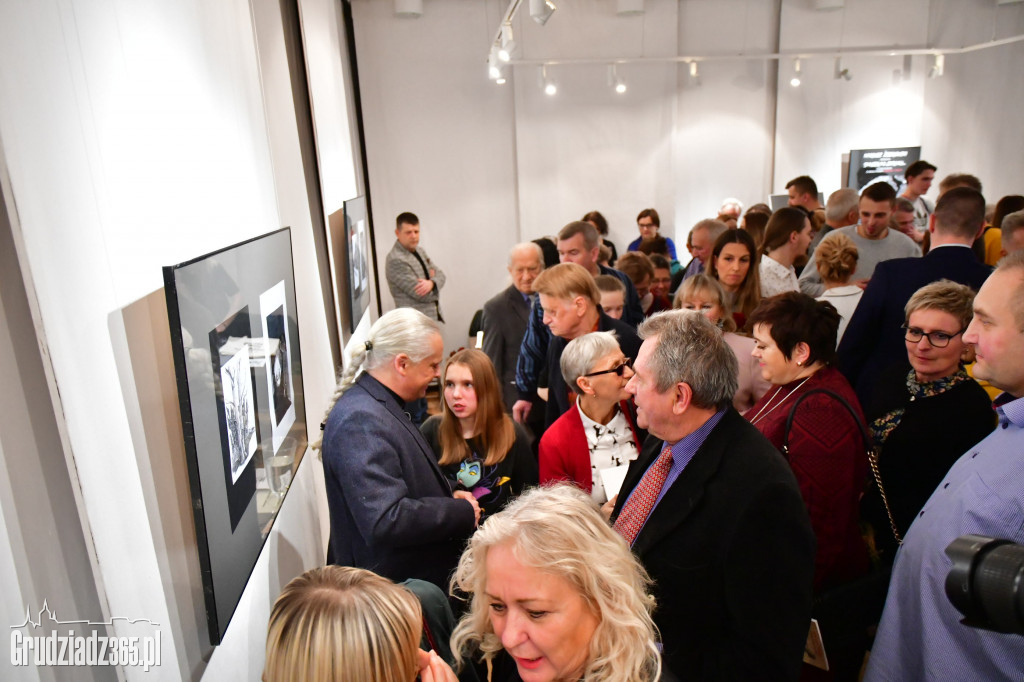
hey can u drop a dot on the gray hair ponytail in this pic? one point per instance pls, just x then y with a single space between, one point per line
400 331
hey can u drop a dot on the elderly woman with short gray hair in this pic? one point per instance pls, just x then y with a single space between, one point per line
599 432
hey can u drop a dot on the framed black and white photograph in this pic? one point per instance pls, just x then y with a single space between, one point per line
239 411
274 316
238 365
357 245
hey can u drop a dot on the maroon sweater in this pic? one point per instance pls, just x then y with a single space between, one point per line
828 457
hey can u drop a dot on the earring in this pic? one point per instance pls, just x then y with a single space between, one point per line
799 363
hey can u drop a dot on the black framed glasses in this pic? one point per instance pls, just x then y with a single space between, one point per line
619 369
936 339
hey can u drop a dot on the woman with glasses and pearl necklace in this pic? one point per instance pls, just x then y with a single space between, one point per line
599 432
795 344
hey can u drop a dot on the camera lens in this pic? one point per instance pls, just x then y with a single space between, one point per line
986 582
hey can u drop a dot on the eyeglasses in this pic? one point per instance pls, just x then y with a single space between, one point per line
619 370
936 339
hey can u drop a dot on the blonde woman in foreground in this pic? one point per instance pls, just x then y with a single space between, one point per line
339 624
555 594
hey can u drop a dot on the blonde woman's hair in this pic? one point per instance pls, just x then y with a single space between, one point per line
567 281
836 258
559 530
337 624
402 330
946 296
712 288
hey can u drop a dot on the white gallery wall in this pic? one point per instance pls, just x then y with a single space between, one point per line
487 165
134 136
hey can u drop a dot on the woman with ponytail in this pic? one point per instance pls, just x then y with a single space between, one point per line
392 511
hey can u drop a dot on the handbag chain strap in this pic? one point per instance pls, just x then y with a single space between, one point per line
873 459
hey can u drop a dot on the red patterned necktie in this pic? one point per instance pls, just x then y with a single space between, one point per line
634 513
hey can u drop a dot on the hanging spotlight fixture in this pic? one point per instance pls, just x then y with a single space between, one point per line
839 71
795 80
550 89
694 74
541 10
938 66
508 44
615 81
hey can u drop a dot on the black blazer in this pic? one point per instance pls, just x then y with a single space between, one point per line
504 323
392 510
873 340
731 552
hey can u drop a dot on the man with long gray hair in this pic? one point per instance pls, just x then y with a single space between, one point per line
392 510
713 512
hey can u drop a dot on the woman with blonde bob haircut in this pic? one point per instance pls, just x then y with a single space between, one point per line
337 624
555 594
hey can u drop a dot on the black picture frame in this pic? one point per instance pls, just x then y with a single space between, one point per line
357 257
238 367
868 166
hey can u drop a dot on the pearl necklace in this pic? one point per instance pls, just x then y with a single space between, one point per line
758 417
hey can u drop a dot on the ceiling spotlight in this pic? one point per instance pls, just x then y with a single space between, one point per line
615 81
841 72
795 80
541 10
549 86
627 8
694 74
938 66
497 70
508 44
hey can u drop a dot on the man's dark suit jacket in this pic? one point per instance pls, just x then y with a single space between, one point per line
504 323
731 552
558 390
873 340
392 510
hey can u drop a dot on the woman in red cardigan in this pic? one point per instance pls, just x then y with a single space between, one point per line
795 341
600 431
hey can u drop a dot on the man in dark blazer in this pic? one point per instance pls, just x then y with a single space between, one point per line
873 340
728 541
507 314
392 510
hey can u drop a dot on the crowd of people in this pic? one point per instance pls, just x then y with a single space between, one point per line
660 470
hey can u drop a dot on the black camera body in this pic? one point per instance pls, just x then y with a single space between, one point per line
986 583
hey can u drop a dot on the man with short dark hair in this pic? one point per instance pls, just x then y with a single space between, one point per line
414 280
919 177
714 514
903 219
874 240
874 338
921 635
803 192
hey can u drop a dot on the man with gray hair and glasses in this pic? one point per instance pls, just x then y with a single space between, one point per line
714 513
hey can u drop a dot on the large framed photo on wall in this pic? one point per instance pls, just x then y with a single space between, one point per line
235 338
357 245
